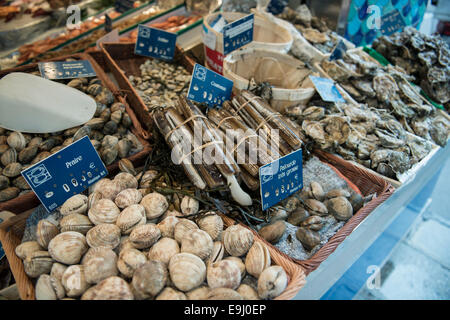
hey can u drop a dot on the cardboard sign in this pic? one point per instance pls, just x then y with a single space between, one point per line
281 178
326 89
209 40
238 33
66 69
338 51
391 23
113 36
124 5
209 87
65 173
156 43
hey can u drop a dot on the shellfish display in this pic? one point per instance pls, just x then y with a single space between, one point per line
123 256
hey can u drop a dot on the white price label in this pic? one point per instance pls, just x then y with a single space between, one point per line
209 40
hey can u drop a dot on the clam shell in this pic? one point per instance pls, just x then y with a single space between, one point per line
189 206
223 294
308 238
223 274
337 193
147 177
144 236
99 263
36 141
212 224
116 116
129 260
109 189
247 292
118 106
93 198
4 182
45 232
9 193
9 156
58 270
155 205
126 165
104 211
273 232
171 213
199 293
83 131
103 235
37 263
340 208
163 250
68 247
112 288
314 223
26 248
126 180
125 243
49 288
76 204
297 216
76 222
126 120
257 260
110 128
124 146
105 96
110 142
316 207
182 228
149 279
216 253
74 281
128 197
167 226
171 294
27 154
237 240
239 263
109 155
41 156
197 242
105 114
95 123
12 170
187 271
272 282
3 147
16 140
94 89
317 191
132 216
21 183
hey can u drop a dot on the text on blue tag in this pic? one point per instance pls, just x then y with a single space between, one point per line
66 69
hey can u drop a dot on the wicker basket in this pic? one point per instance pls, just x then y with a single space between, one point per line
122 62
29 200
12 230
367 183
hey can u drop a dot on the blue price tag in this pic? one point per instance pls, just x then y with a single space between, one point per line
280 179
123 5
209 87
66 69
155 43
338 51
391 23
65 173
238 33
326 89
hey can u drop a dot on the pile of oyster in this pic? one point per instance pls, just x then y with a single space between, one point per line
427 58
373 138
122 242
387 89
160 82
311 212
109 131
313 29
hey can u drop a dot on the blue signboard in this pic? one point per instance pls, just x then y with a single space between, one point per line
326 89
155 43
281 178
238 33
338 51
209 87
65 173
391 23
66 69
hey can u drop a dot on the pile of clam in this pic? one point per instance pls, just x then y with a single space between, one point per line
160 82
310 212
109 131
122 242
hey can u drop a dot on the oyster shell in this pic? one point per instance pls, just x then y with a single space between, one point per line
257 260
103 235
99 263
237 240
68 247
187 271
272 282
112 288
149 279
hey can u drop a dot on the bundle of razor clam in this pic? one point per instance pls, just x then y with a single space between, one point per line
248 120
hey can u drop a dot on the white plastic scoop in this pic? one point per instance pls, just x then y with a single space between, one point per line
29 103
